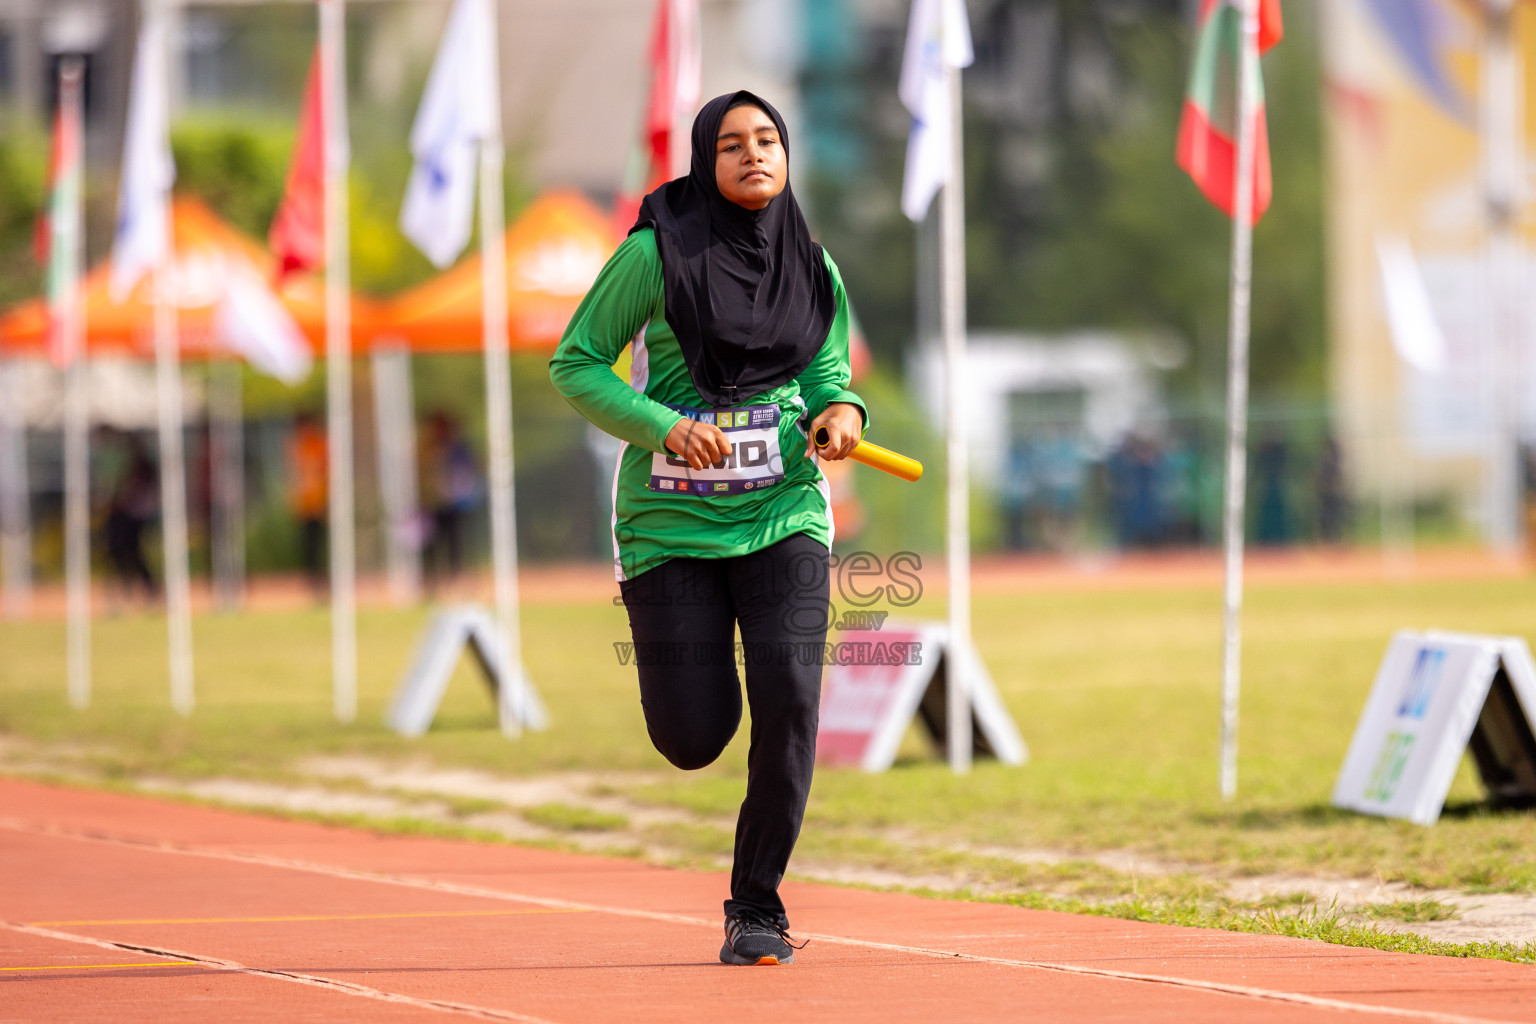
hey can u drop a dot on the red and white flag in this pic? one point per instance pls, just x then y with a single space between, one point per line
58 236
297 236
676 61
675 80
1209 125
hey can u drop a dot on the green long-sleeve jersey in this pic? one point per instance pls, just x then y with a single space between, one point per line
661 510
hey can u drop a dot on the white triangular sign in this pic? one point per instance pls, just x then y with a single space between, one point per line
880 679
421 691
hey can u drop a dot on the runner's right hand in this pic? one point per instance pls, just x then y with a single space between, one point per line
699 443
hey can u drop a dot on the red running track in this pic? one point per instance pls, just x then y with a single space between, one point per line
128 909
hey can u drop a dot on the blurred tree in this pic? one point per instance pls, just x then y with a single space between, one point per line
23 174
236 166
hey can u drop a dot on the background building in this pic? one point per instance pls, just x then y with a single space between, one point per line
1407 166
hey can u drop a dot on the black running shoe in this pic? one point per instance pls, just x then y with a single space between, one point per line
751 939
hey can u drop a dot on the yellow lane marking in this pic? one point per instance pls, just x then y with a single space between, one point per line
93 967
338 917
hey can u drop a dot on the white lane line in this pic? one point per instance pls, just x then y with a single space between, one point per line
346 987
433 885
100 967
1246 991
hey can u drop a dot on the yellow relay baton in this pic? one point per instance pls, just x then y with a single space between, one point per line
882 459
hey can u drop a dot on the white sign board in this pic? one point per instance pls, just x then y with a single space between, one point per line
1435 695
422 689
1446 411
879 679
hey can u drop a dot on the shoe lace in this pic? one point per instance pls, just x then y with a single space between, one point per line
755 922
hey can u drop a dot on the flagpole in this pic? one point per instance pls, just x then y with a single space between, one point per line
15 511
173 489
227 435
338 360
77 533
393 411
145 242
952 312
1237 394
498 405
1503 157
173 465
69 319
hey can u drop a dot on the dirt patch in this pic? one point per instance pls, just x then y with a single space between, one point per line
590 811
579 789
1470 918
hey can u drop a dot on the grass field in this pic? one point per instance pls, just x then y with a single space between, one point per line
1114 688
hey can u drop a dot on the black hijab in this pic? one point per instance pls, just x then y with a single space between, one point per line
748 293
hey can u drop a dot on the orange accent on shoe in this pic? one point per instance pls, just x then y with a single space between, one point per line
773 960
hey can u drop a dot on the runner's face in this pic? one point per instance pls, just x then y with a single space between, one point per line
750 167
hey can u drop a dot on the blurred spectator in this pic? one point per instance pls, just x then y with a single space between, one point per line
1330 492
847 510
1181 473
1528 495
200 485
1274 513
308 470
1018 487
132 504
1136 492
1060 476
451 487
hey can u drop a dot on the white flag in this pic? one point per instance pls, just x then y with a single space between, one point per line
142 240
253 323
1416 332
460 107
938 38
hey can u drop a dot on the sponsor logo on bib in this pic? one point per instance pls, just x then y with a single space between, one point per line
755 461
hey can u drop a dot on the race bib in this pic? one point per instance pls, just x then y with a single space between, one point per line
755 461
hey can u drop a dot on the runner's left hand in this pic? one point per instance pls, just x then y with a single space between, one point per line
844 423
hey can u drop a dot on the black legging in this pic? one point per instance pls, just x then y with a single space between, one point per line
312 551
683 615
445 547
125 547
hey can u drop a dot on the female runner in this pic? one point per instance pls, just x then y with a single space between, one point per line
739 331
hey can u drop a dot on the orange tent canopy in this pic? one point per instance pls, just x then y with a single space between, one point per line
554 251
204 248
